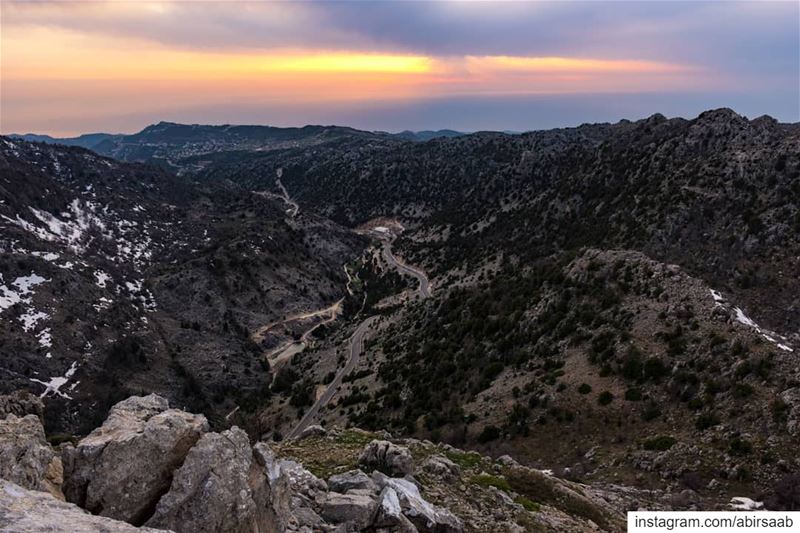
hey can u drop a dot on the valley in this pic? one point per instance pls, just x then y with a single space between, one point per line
627 290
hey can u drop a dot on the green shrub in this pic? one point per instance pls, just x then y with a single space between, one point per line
489 433
633 394
779 409
605 398
706 420
488 480
739 446
585 388
529 505
742 390
651 412
660 443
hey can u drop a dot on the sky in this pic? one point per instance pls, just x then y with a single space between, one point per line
116 66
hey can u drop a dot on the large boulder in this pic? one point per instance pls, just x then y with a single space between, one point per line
387 457
425 516
356 509
30 511
351 480
389 515
21 403
441 466
312 431
211 491
25 456
122 468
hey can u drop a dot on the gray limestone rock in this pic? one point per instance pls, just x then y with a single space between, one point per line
26 458
211 491
387 457
122 468
30 511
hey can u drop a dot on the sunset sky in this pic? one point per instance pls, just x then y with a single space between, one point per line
116 66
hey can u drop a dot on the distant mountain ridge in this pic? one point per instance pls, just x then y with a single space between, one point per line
86 140
203 138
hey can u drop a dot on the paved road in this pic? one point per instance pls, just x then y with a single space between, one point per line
356 348
424 283
357 343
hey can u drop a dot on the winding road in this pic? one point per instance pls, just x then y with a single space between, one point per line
356 348
357 343
424 283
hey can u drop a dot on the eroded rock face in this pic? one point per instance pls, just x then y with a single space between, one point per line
21 403
25 456
387 457
122 468
30 511
211 491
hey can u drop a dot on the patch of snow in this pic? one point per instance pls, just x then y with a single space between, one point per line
31 318
24 286
744 319
547 472
740 503
145 296
718 299
381 229
101 278
103 303
47 256
26 283
45 338
53 387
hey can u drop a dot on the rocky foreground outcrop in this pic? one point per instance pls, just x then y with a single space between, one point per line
31 511
122 468
152 468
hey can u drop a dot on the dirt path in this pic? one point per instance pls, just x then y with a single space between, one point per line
357 344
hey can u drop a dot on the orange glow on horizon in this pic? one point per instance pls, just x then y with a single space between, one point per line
81 74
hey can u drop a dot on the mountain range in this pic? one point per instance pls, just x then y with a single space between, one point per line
628 291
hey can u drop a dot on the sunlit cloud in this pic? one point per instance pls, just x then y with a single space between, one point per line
141 60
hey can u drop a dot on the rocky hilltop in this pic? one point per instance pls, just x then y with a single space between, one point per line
149 467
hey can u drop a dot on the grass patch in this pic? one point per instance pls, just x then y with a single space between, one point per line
464 459
540 488
351 437
529 505
325 456
488 480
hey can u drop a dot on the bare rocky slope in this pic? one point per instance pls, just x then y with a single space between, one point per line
152 468
118 278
